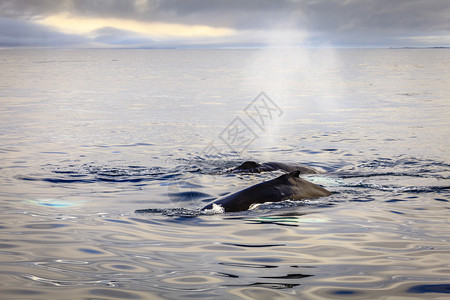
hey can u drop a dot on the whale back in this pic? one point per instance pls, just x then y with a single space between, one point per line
248 166
284 187
304 169
254 167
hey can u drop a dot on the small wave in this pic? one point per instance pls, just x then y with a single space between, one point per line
401 174
120 145
405 164
54 180
171 212
60 61
288 204
87 173
430 288
394 188
368 175
254 245
268 285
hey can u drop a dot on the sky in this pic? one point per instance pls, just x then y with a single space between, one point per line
224 23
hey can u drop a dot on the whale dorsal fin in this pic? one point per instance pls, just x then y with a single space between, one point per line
295 173
285 177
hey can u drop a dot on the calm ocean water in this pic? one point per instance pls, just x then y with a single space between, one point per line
89 136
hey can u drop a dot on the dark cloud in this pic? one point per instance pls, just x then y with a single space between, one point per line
27 9
381 15
335 22
16 33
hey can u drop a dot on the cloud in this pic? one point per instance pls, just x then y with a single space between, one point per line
85 25
16 33
237 22
114 36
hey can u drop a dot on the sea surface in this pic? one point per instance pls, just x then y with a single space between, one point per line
90 136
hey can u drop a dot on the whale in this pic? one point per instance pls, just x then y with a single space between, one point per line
285 187
254 167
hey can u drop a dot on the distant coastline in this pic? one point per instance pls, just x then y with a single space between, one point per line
438 47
